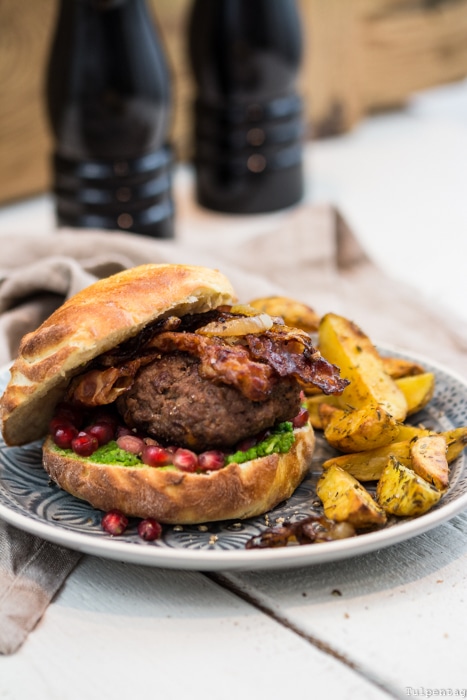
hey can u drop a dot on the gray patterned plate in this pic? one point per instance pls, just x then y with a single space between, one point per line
31 502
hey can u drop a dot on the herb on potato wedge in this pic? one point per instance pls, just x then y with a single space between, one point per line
344 499
369 465
428 460
344 344
400 491
359 430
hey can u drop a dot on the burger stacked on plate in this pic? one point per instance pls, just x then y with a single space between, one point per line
162 398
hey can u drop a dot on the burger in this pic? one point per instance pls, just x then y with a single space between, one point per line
159 396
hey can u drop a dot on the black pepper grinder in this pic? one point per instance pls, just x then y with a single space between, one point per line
108 99
245 56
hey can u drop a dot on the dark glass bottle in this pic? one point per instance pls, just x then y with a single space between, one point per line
245 56
108 99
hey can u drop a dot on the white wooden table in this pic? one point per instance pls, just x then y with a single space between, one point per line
391 623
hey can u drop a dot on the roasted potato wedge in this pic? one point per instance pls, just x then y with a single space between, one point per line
456 441
326 412
294 313
409 432
313 404
428 460
418 390
400 491
321 407
344 344
358 430
367 423
345 500
369 465
397 367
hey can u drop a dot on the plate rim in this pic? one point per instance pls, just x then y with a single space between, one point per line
243 559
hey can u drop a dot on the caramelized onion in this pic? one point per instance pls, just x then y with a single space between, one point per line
237 326
244 310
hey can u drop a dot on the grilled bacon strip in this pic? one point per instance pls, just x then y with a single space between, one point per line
252 363
102 386
282 351
228 364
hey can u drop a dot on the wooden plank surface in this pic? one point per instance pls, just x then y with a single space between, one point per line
122 631
395 614
368 627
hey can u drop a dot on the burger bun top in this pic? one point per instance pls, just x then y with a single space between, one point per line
97 319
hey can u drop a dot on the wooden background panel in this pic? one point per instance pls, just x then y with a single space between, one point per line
367 55
24 138
330 74
171 17
412 51
359 55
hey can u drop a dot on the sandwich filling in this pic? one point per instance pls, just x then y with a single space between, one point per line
208 381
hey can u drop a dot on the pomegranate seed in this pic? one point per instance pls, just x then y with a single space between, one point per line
149 529
156 456
104 432
245 444
131 443
186 460
84 444
301 418
114 522
64 435
211 460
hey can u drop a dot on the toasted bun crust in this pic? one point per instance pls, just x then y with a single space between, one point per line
236 491
93 321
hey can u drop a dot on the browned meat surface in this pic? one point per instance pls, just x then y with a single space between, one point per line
172 402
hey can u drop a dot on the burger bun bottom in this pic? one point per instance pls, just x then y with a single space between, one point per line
236 491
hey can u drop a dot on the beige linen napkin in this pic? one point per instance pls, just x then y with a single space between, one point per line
308 253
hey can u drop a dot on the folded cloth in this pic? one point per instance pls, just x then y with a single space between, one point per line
31 572
308 253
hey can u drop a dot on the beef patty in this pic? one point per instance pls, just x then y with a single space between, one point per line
171 402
